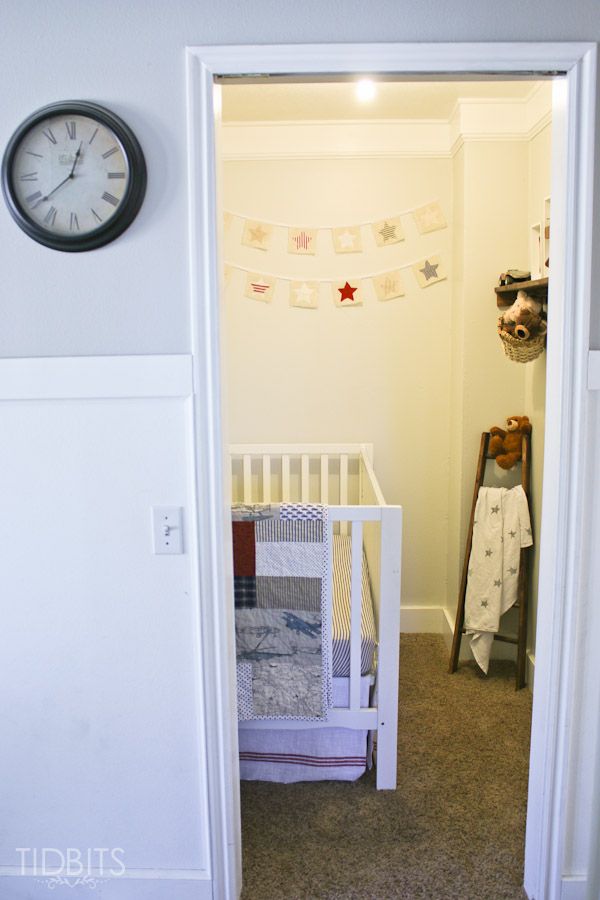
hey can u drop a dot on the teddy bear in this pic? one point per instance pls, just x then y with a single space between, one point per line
505 446
526 325
523 302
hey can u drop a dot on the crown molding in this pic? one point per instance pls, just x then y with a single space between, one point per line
487 119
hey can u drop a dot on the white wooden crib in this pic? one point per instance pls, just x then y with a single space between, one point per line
341 476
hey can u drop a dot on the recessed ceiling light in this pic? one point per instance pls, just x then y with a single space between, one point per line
365 90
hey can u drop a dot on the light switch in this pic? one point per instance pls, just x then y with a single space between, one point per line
167 528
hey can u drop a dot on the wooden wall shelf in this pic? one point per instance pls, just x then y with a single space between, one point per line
507 294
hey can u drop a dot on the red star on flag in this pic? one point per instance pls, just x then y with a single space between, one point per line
347 292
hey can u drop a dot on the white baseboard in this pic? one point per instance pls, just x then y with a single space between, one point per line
573 887
421 619
30 887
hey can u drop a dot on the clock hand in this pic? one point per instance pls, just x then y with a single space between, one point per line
54 190
76 160
64 181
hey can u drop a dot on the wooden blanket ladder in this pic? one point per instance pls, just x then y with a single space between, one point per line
520 639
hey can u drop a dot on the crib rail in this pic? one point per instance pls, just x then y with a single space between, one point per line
343 473
318 473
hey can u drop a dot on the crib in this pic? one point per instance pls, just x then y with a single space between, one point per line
340 476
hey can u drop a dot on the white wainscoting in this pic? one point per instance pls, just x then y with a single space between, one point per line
574 887
103 739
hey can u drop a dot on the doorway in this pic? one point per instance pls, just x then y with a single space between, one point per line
566 366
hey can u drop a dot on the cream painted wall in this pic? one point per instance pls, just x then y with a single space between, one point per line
490 203
378 372
421 387
540 153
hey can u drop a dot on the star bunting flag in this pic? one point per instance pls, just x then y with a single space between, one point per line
429 218
347 293
304 294
347 239
259 287
257 234
388 285
302 241
429 271
388 231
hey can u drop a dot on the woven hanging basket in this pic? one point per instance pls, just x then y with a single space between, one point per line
522 351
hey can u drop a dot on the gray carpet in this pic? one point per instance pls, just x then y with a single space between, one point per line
454 828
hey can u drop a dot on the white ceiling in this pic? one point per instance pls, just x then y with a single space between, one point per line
273 102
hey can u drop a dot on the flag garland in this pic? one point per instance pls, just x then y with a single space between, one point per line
345 291
304 241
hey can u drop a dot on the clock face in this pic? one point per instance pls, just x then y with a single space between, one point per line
74 176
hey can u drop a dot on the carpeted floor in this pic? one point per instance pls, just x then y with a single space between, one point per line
454 829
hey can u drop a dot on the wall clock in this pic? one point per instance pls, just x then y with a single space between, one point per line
73 176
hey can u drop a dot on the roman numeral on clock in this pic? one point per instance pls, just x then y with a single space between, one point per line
110 199
71 129
73 222
47 132
50 216
109 152
116 174
29 176
95 215
33 197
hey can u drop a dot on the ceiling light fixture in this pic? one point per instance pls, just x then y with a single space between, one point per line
365 90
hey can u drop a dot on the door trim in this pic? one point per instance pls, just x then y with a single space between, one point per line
566 414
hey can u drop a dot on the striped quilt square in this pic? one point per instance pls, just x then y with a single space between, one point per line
286 530
244 556
288 593
244 592
289 559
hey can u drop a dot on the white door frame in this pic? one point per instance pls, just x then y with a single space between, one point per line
568 347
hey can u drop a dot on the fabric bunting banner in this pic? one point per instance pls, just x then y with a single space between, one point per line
305 241
346 291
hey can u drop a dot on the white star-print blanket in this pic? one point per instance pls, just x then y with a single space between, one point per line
502 526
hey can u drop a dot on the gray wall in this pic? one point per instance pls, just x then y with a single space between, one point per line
131 297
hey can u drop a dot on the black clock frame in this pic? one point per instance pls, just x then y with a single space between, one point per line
134 192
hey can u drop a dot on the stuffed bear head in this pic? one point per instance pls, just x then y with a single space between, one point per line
518 424
523 302
528 325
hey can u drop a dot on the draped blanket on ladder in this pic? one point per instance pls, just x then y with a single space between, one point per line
501 528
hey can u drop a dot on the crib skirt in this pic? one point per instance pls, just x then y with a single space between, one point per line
319 754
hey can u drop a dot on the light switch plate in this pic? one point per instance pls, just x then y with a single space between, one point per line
167 529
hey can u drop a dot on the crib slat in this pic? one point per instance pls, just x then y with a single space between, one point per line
285 478
344 488
304 481
355 614
325 479
247 478
266 492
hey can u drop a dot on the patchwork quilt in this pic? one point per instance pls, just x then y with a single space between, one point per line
281 622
